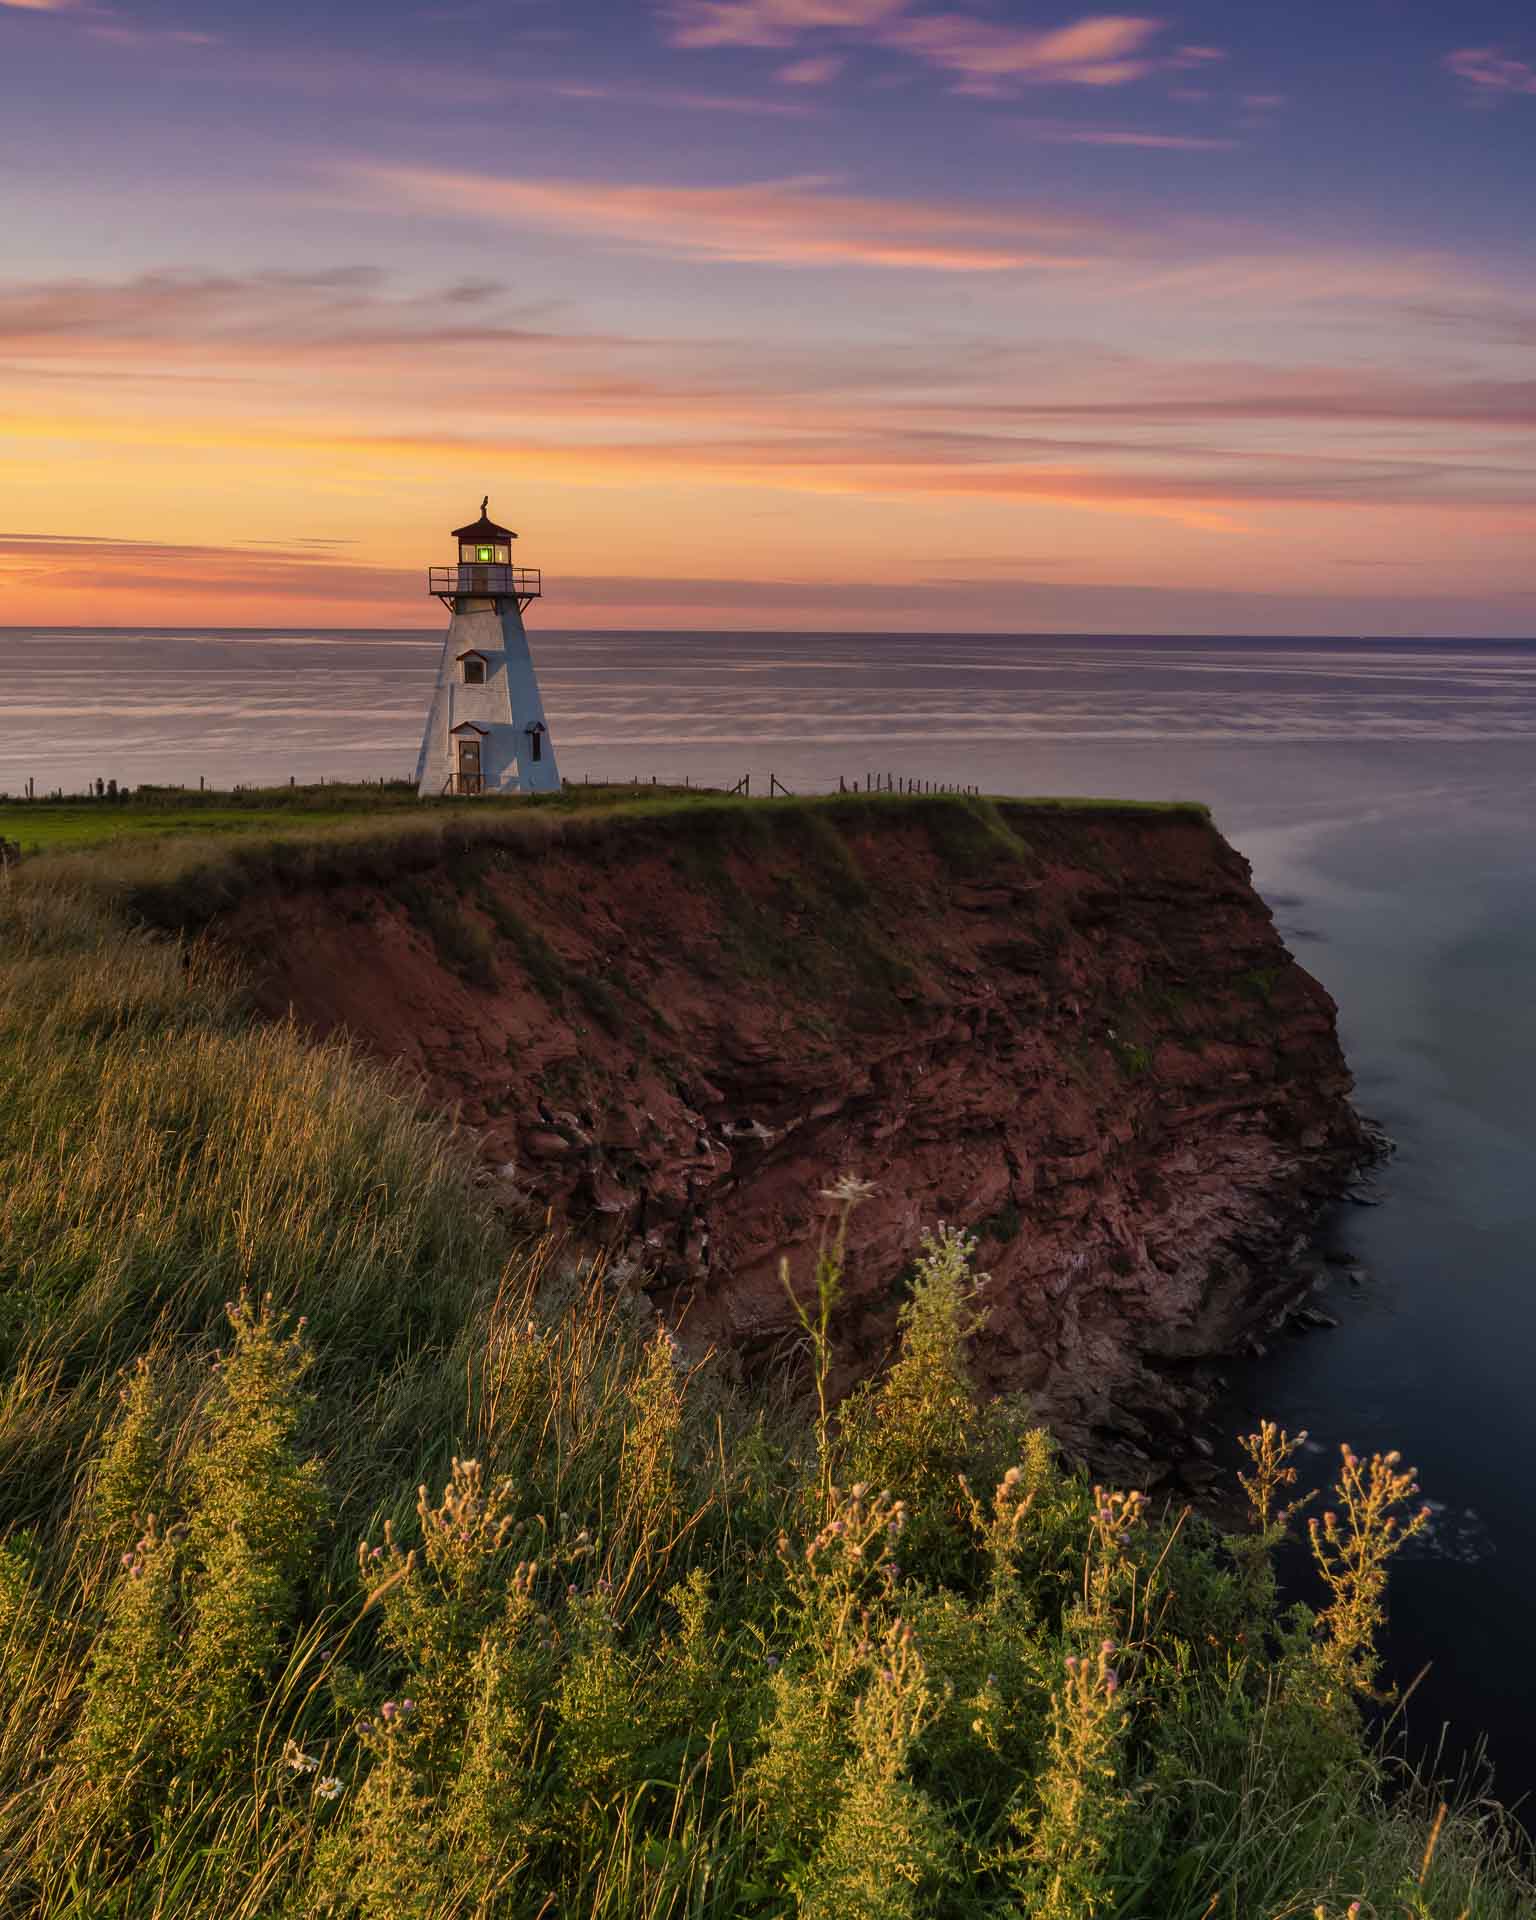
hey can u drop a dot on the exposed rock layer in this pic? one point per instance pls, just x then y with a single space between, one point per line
1076 1034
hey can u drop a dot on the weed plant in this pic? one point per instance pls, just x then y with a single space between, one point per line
358 1563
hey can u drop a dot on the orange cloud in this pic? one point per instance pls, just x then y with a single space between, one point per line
795 222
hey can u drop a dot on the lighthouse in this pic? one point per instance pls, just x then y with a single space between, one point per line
486 731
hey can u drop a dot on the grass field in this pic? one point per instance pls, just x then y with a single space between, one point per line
363 1557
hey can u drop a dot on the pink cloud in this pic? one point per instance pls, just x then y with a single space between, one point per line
1101 50
818 71
1488 67
1109 137
1098 50
769 23
795 222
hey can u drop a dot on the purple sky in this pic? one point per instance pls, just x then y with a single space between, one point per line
773 312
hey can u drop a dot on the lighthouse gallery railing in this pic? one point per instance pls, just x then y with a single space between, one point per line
470 577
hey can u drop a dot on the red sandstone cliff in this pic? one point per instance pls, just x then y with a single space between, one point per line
1075 1033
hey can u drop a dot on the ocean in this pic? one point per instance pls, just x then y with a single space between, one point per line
1385 793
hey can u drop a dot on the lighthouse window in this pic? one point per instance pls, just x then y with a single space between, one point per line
484 554
501 556
466 552
474 672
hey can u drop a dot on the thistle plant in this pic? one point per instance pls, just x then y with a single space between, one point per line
1351 1545
1110 1570
1271 1510
919 1426
1080 1806
999 1528
886 1845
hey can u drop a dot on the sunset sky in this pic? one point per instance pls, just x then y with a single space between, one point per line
772 313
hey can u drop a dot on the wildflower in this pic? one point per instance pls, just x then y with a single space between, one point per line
330 1788
772 1663
295 1758
388 1710
848 1189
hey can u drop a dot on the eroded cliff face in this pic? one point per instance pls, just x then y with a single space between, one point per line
1076 1034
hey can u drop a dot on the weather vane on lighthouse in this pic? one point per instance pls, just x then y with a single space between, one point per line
486 731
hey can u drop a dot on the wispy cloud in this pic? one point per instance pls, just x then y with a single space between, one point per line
817 71
103 22
769 23
1492 70
687 99
42 562
1307 394
1115 137
341 308
1098 50
807 221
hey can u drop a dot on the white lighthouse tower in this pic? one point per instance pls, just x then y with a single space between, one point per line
486 731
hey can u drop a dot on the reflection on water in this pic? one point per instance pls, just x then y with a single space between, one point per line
1384 793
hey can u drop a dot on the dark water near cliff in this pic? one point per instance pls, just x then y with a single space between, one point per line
1385 794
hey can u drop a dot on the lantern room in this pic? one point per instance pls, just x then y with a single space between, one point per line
483 543
483 567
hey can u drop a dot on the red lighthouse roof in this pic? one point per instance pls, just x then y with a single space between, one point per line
484 529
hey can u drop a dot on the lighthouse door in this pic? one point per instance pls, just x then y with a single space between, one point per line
469 766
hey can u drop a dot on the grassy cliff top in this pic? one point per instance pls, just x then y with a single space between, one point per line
160 813
175 860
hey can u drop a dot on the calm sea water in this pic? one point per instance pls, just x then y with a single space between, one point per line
1385 793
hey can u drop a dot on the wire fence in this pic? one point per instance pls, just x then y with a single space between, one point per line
111 791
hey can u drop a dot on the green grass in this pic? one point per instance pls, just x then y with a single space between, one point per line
167 812
646 1643
153 813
